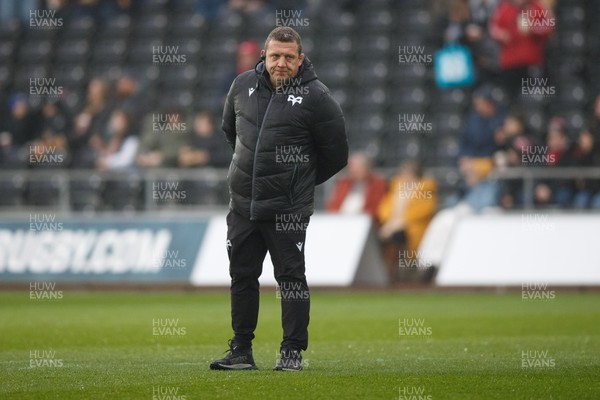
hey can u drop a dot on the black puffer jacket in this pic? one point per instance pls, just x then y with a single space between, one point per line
285 142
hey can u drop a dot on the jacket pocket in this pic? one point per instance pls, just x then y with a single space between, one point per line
292 187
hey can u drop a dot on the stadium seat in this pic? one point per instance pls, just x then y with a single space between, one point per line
42 192
10 30
71 76
123 195
447 123
376 19
118 27
12 190
109 51
451 99
85 195
72 51
151 26
78 28
7 52
188 26
35 51
6 76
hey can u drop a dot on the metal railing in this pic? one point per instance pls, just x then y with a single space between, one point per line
530 175
209 185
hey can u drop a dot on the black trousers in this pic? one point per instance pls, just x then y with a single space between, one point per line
247 245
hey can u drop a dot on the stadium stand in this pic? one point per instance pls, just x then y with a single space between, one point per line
353 45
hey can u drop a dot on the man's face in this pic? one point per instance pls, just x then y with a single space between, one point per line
484 106
282 61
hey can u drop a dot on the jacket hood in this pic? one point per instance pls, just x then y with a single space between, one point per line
306 73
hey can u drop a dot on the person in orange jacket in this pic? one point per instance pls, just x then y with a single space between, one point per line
360 191
404 214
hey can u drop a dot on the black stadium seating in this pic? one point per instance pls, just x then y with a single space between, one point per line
354 51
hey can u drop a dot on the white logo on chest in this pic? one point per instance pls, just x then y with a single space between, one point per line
294 100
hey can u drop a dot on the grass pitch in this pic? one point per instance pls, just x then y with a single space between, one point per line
362 346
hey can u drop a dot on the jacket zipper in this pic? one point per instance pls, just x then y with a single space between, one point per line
292 184
255 151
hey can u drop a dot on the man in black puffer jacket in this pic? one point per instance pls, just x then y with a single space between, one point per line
287 133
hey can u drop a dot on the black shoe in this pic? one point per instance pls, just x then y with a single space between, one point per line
291 360
239 358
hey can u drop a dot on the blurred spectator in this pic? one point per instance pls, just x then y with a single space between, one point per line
159 148
56 121
458 26
588 155
247 8
511 141
209 9
17 9
481 194
560 153
87 135
521 27
360 191
204 146
247 55
122 144
52 140
100 10
593 124
10 156
404 214
132 96
22 121
485 117
482 10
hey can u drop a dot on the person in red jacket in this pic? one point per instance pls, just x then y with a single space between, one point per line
521 27
360 191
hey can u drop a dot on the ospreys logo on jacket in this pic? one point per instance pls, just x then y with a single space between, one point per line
285 141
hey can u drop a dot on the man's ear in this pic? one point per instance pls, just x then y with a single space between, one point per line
300 59
263 55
